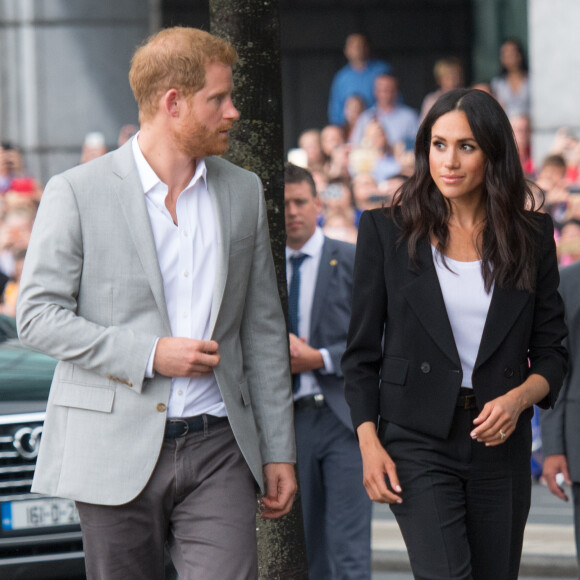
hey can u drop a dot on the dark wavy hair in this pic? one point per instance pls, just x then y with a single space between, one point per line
520 48
507 240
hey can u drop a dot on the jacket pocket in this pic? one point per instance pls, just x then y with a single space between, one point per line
84 397
394 370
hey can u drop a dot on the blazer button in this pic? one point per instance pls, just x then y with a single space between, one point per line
425 367
161 408
508 373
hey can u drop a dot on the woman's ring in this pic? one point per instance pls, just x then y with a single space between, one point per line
501 434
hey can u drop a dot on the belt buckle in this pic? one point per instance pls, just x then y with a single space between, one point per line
467 401
185 423
319 400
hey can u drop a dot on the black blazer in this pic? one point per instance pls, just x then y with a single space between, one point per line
401 360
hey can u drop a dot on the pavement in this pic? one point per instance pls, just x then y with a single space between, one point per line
549 548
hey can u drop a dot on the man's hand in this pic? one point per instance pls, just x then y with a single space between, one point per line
185 357
281 487
303 358
554 464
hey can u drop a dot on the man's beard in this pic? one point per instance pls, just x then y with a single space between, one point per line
198 141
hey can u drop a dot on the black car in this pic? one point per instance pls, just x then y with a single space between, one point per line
40 537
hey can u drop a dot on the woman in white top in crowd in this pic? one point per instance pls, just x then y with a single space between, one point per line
512 88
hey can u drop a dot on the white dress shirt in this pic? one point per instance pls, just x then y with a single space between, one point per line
187 254
308 275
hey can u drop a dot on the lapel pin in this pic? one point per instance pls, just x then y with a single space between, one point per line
333 262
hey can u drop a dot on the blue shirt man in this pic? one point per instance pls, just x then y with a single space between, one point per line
399 121
355 78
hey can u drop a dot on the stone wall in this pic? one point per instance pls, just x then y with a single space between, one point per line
554 66
64 74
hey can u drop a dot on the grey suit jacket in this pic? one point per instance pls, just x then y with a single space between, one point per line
92 297
561 425
330 317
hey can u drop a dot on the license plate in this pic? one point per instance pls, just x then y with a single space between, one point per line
38 513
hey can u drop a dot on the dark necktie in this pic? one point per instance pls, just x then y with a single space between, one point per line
294 305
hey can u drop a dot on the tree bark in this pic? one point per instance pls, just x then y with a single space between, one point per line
256 143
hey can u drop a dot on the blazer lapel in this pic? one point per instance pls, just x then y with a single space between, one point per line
504 309
132 200
325 271
221 200
424 296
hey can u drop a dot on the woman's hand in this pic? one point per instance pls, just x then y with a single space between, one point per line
499 417
376 465
497 420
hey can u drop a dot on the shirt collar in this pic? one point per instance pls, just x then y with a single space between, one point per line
311 248
149 178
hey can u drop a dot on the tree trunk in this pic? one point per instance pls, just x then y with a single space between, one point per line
256 143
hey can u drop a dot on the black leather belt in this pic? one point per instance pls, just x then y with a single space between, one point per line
175 428
466 399
310 402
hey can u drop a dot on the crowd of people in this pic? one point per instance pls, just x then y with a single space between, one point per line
20 195
19 198
366 151
358 160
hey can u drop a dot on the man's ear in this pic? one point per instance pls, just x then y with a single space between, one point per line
171 101
318 203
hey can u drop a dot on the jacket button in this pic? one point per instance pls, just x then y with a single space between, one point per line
508 373
161 408
425 367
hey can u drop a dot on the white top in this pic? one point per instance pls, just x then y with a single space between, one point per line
308 275
467 304
187 255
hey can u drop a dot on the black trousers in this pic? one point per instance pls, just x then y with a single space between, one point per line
465 505
335 506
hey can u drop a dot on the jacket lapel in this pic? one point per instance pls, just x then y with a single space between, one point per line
424 296
504 309
221 200
325 271
130 194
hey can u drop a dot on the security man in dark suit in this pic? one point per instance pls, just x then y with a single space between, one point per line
335 506
561 425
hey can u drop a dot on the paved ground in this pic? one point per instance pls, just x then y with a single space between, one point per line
403 576
549 548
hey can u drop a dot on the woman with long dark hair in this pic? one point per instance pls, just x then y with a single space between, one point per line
455 334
